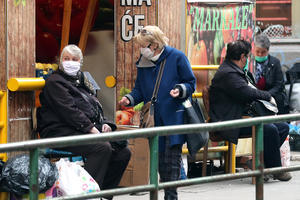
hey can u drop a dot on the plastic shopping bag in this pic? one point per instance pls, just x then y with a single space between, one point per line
73 179
285 153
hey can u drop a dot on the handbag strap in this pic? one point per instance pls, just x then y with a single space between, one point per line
157 83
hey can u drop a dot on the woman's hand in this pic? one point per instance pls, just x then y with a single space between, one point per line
124 101
174 93
94 130
106 128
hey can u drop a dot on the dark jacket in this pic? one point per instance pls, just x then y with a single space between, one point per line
177 72
229 95
275 83
68 108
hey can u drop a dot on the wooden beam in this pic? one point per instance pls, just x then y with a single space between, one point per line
66 24
87 24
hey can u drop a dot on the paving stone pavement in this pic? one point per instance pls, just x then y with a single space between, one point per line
239 189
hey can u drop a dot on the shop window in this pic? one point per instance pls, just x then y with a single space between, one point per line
277 19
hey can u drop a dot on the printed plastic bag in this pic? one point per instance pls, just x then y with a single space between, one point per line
15 174
73 179
285 153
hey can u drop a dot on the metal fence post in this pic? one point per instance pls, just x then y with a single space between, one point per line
153 142
34 165
259 161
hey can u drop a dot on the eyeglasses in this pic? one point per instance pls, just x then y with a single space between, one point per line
145 32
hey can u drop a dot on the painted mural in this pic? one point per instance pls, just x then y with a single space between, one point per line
209 27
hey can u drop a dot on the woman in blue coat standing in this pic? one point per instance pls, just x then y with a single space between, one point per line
177 84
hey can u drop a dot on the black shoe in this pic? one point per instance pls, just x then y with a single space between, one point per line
284 176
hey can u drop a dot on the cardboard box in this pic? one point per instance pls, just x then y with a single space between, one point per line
137 171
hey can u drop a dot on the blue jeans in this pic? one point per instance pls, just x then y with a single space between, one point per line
274 136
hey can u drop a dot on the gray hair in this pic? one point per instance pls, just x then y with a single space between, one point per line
262 41
74 51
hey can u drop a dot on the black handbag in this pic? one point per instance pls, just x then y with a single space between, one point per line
261 108
194 115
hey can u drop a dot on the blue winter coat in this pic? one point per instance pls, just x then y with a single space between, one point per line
177 72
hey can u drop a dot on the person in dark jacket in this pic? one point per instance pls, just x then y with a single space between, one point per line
268 73
177 84
229 95
70 107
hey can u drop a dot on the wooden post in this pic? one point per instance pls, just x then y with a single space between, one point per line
87 24
66 24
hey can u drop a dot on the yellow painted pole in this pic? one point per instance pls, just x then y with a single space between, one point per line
3 122
197 95
205 67
210 149
25 84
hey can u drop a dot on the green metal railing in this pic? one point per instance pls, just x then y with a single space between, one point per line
152 134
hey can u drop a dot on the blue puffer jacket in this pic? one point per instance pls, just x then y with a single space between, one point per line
177 73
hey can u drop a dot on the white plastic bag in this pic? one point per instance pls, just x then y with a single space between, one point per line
73 179
285 153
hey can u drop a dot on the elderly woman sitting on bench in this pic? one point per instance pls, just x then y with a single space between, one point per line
70 107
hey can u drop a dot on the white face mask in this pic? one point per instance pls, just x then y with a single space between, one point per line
155 58
71 67
147 53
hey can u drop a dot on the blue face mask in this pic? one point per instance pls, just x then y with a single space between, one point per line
261 59
246 66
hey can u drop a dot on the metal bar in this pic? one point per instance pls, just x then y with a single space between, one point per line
3 121
153 142
205 67
208 179
210 149
181 183
259 161
197 95
25 84
154 133
225 177
34 165
147 132
119 191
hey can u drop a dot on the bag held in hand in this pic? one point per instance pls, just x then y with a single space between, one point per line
193 115
147 112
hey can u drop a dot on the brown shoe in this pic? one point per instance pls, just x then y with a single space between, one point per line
284 176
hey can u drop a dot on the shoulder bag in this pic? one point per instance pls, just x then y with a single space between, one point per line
194 115
147 111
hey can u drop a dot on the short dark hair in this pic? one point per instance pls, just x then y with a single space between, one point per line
262 41
236 49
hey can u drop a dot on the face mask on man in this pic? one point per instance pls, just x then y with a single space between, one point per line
246 66
147 53
261 59
71 67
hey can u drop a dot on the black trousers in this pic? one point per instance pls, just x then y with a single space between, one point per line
274 136
103 163
169 168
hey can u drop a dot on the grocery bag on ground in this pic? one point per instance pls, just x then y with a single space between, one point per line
16 172
74 179
285 153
